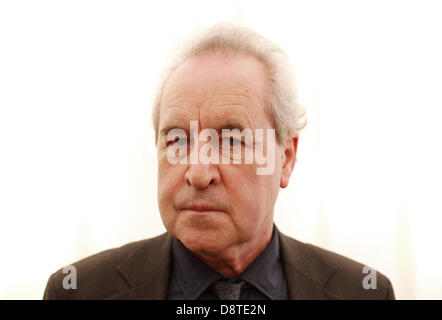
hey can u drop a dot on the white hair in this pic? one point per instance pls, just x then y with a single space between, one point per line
287 113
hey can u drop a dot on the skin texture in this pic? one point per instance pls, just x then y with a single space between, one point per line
223 213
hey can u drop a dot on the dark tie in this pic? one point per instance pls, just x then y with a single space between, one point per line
227 290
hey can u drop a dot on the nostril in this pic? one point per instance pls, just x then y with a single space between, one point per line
211 181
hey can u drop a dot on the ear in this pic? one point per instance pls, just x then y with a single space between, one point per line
289 149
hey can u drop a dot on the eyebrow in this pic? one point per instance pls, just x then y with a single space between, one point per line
165 131
229 124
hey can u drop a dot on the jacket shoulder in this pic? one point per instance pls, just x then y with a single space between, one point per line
352 279
343 278
96 276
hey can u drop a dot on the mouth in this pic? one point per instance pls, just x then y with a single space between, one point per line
201 208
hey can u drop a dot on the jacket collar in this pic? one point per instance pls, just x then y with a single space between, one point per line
147 270
306 273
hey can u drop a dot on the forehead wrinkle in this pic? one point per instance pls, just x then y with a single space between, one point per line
242 90
189 99
235 102
236 93
216 118
223 105
179 99
176 115
179 94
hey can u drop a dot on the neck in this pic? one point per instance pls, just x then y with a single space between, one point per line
235 259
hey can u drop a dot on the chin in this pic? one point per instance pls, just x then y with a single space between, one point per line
197 240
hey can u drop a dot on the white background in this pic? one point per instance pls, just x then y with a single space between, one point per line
78 161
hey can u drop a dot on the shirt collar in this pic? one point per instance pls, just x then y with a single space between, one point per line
194 276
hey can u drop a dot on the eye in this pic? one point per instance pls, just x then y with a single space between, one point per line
232 141
179 141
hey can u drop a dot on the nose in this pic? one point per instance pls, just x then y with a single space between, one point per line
201 176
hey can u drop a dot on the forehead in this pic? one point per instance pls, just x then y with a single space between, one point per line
213 86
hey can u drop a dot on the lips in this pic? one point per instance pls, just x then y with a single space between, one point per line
201 207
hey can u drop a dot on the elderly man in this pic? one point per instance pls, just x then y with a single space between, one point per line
227 124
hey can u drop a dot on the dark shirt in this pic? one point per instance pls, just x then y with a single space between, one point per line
192 279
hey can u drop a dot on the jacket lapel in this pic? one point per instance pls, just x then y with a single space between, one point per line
305 272
147 270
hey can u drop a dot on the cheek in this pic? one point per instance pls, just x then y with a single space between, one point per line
169 183
251 196
169 179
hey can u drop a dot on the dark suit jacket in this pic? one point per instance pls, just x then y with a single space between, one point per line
140 270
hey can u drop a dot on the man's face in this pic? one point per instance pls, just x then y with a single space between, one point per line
211 207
